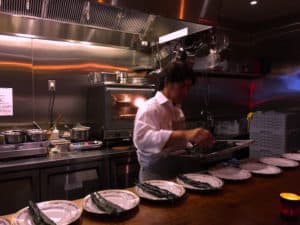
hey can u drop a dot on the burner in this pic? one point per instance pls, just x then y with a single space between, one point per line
23 150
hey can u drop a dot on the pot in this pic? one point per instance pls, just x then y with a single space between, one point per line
102 77
80 133
36 135
14 136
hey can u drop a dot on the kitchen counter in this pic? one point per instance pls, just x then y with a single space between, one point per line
58 159
254 202
69 175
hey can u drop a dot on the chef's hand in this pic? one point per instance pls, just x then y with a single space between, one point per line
200 136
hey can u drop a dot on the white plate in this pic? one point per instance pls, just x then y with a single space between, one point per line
276 161
260 168
230 173
163 184
125 199
4 221
292 156
213 181
60 211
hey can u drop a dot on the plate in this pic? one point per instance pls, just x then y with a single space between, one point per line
60 211
260 168
213 181
125 199
292 156
230 173
4 221
281 162
176 189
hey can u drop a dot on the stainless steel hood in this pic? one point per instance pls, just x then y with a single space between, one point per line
196 11
87 21
37 28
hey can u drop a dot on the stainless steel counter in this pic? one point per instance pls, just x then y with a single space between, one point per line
62 159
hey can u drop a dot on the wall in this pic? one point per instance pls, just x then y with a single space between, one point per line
280 89
35 61
227 98
16 72
27 64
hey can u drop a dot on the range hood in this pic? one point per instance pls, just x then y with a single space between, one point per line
195 11
114 23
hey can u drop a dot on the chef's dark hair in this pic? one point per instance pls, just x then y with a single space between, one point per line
175 72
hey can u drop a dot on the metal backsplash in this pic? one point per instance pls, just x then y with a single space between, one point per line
27 64
16 73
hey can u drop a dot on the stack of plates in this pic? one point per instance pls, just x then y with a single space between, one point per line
260 168
176 189
280 162
60 211
214 182
125 199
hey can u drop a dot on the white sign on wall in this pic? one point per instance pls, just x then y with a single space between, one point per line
6 102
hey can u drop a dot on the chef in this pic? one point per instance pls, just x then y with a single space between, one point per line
159 128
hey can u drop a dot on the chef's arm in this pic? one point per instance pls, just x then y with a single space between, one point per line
150 139
197 136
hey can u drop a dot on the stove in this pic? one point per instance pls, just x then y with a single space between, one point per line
8 151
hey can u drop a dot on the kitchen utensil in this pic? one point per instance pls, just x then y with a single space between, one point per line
14 136
125 199
36 125
122 77
2 139
85 145
61 144
214 183
35 135
60 211
176 189
54 134
80 133
280 162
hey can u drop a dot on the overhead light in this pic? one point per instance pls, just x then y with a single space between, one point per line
253 2
174 35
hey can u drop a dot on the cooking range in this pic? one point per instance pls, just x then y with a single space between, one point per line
25 149
23 143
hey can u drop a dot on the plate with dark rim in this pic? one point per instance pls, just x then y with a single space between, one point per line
213 181
170 186
280 162
62 212
123 198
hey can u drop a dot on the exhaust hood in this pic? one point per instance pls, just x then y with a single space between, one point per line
114 23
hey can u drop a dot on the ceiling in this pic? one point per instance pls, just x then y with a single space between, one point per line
265 13
237 13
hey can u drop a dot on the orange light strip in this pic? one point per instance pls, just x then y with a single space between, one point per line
100 1
63 67
80 66
181 9
16 64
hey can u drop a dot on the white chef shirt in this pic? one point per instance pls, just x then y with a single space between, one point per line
153 126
